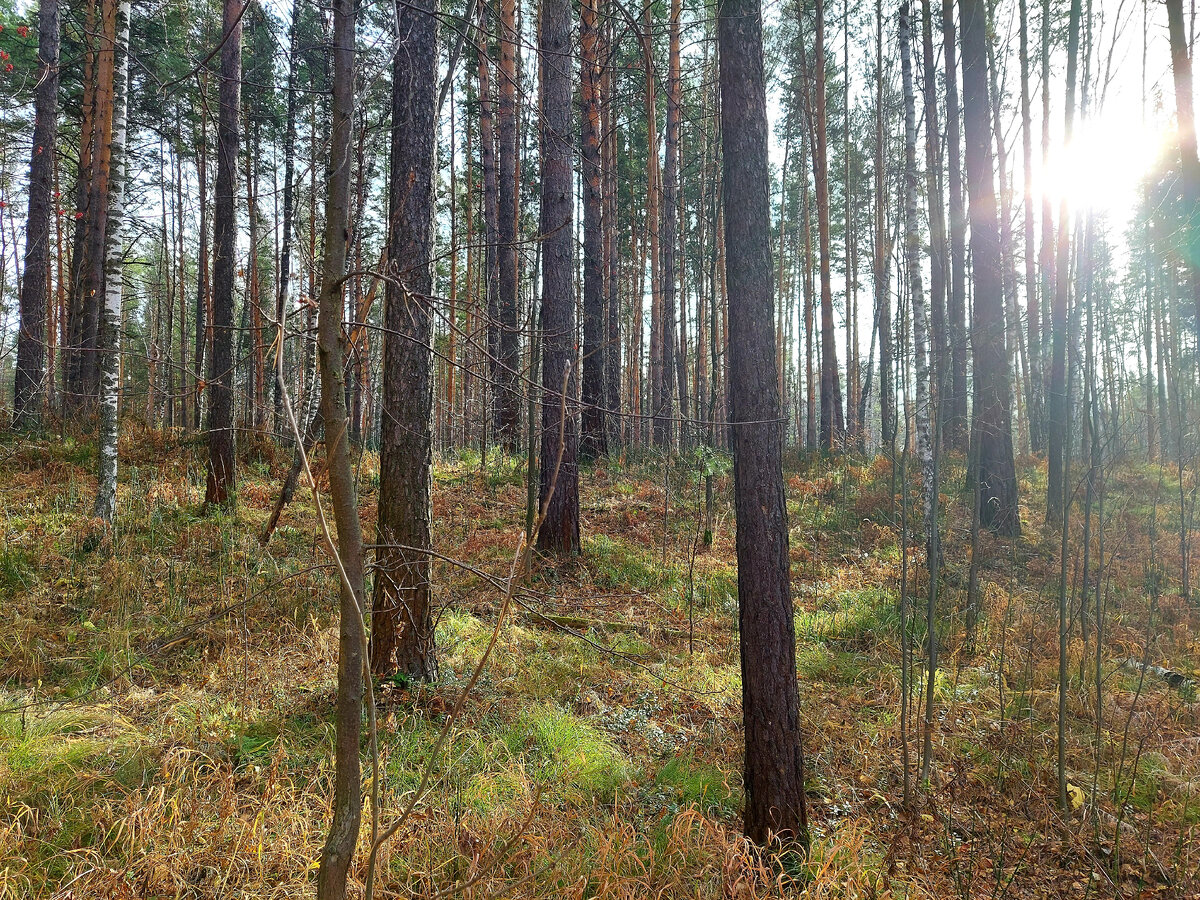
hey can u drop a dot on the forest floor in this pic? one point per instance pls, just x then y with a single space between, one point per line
166 699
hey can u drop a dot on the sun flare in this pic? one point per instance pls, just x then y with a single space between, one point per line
1102 167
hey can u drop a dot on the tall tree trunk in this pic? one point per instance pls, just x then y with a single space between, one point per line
937 227
668 262
507 398
1046 261
86 381
1181 68
289 206
774 759
661 418
992 427
30 375
594 437
925 449
558 493
78 300
954 430
612 246
109 335
338 852
203 295
401 620
882 256
491 220
832 423
1059 404
1033 381
221 435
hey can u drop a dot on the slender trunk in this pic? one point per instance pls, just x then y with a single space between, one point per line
594 437
955 429
832 423
880 276
109 339
338 852
1181 68
289 203
491 220
1033 380
30 375
203 297
508 418
558 492
937 228
221 435
668 262
1058 399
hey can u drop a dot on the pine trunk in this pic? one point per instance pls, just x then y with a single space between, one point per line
401 619
30 375
774 757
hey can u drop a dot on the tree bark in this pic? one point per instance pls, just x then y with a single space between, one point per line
401 620
1181 68
668 259
883 252
221 436
289 205
992 425
937 336
507 398
558 494
1033 385
338 852
1058 399
108 343
954 430
774 756
30 376
832 422
594 436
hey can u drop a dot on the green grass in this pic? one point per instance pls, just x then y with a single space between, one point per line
618 565
567 755
690 782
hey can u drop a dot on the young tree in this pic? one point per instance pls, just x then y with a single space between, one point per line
992 426
340 843
401 620
221 436
109 335
558 494
30 376
774 760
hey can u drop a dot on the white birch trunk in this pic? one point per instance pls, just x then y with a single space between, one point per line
110 316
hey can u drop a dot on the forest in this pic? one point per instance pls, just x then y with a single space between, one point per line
593 449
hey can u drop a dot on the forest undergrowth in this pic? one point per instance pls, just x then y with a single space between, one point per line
166 715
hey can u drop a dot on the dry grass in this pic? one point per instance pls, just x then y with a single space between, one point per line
166 728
